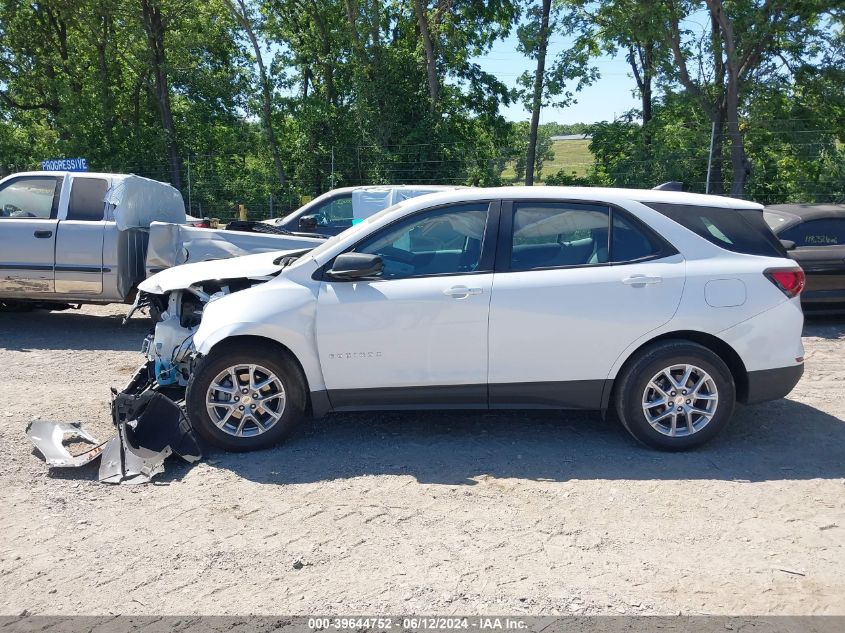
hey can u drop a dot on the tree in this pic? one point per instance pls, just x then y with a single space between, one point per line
747 41
542 42
549 85
155 28
242 14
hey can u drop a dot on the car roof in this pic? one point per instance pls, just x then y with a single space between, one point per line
807 212
591 194
383 187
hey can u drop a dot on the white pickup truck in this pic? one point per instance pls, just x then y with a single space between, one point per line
81 237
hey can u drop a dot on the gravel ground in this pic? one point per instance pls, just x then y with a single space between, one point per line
438 513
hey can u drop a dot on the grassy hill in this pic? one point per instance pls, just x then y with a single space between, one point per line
573 156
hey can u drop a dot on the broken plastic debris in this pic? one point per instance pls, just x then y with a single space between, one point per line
49 439
150 428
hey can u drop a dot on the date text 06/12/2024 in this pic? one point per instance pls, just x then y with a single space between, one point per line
417 623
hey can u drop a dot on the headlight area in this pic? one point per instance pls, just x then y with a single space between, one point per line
169 348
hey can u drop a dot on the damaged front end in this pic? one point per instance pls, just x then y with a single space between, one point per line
150 423
175 298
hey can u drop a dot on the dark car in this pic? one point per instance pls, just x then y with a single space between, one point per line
817 232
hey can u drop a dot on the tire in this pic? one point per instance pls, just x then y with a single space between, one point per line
652 380
241 430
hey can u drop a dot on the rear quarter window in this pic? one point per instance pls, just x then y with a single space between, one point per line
736 230
86 199
827 232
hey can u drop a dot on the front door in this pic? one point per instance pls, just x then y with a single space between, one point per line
416 336
28 207
575 285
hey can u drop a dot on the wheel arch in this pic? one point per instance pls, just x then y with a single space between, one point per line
716 345
233 342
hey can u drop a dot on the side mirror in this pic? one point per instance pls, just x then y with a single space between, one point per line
308 222
788 245
351 266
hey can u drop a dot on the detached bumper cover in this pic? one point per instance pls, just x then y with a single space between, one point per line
772 384
49 438
150 428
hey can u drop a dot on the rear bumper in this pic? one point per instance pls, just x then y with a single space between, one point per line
771 384
823 301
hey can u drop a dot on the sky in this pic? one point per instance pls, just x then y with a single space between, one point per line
609 96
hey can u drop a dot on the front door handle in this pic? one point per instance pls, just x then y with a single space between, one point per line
458 292
638 281
43 234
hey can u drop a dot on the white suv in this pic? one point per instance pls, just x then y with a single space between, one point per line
667 307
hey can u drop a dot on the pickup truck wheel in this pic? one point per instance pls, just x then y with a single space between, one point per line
675 395
246 397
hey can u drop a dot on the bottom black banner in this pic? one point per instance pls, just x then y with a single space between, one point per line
438 624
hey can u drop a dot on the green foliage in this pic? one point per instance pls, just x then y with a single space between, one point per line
357 95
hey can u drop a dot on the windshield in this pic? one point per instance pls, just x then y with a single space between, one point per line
329 243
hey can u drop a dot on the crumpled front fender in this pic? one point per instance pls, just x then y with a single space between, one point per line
281 312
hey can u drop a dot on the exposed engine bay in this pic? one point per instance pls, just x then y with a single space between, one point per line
177 304
169 347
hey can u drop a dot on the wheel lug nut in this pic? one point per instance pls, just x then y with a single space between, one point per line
244 390
241 408
684 392
673 393
256 395
680 408
252 406
236 398
689 401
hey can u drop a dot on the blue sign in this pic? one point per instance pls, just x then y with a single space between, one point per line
65 164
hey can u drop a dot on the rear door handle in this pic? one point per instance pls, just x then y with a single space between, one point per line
459 292
638 281
43 234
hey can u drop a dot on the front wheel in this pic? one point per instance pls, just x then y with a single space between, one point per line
675 395
245 397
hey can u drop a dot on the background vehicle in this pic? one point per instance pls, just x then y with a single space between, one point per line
80 237
60 241
666 306
817 232
337 210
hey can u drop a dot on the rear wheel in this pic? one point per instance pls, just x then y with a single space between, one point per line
245 397
675 395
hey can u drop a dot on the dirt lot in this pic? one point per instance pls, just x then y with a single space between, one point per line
439 513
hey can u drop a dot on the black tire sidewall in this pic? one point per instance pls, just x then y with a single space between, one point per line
209 367
640 372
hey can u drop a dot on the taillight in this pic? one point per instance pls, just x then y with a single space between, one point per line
790 280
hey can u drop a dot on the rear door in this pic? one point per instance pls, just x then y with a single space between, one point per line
575 285
79 238
28 211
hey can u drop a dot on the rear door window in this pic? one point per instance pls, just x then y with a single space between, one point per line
736 230
555 234
86 199
826 232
